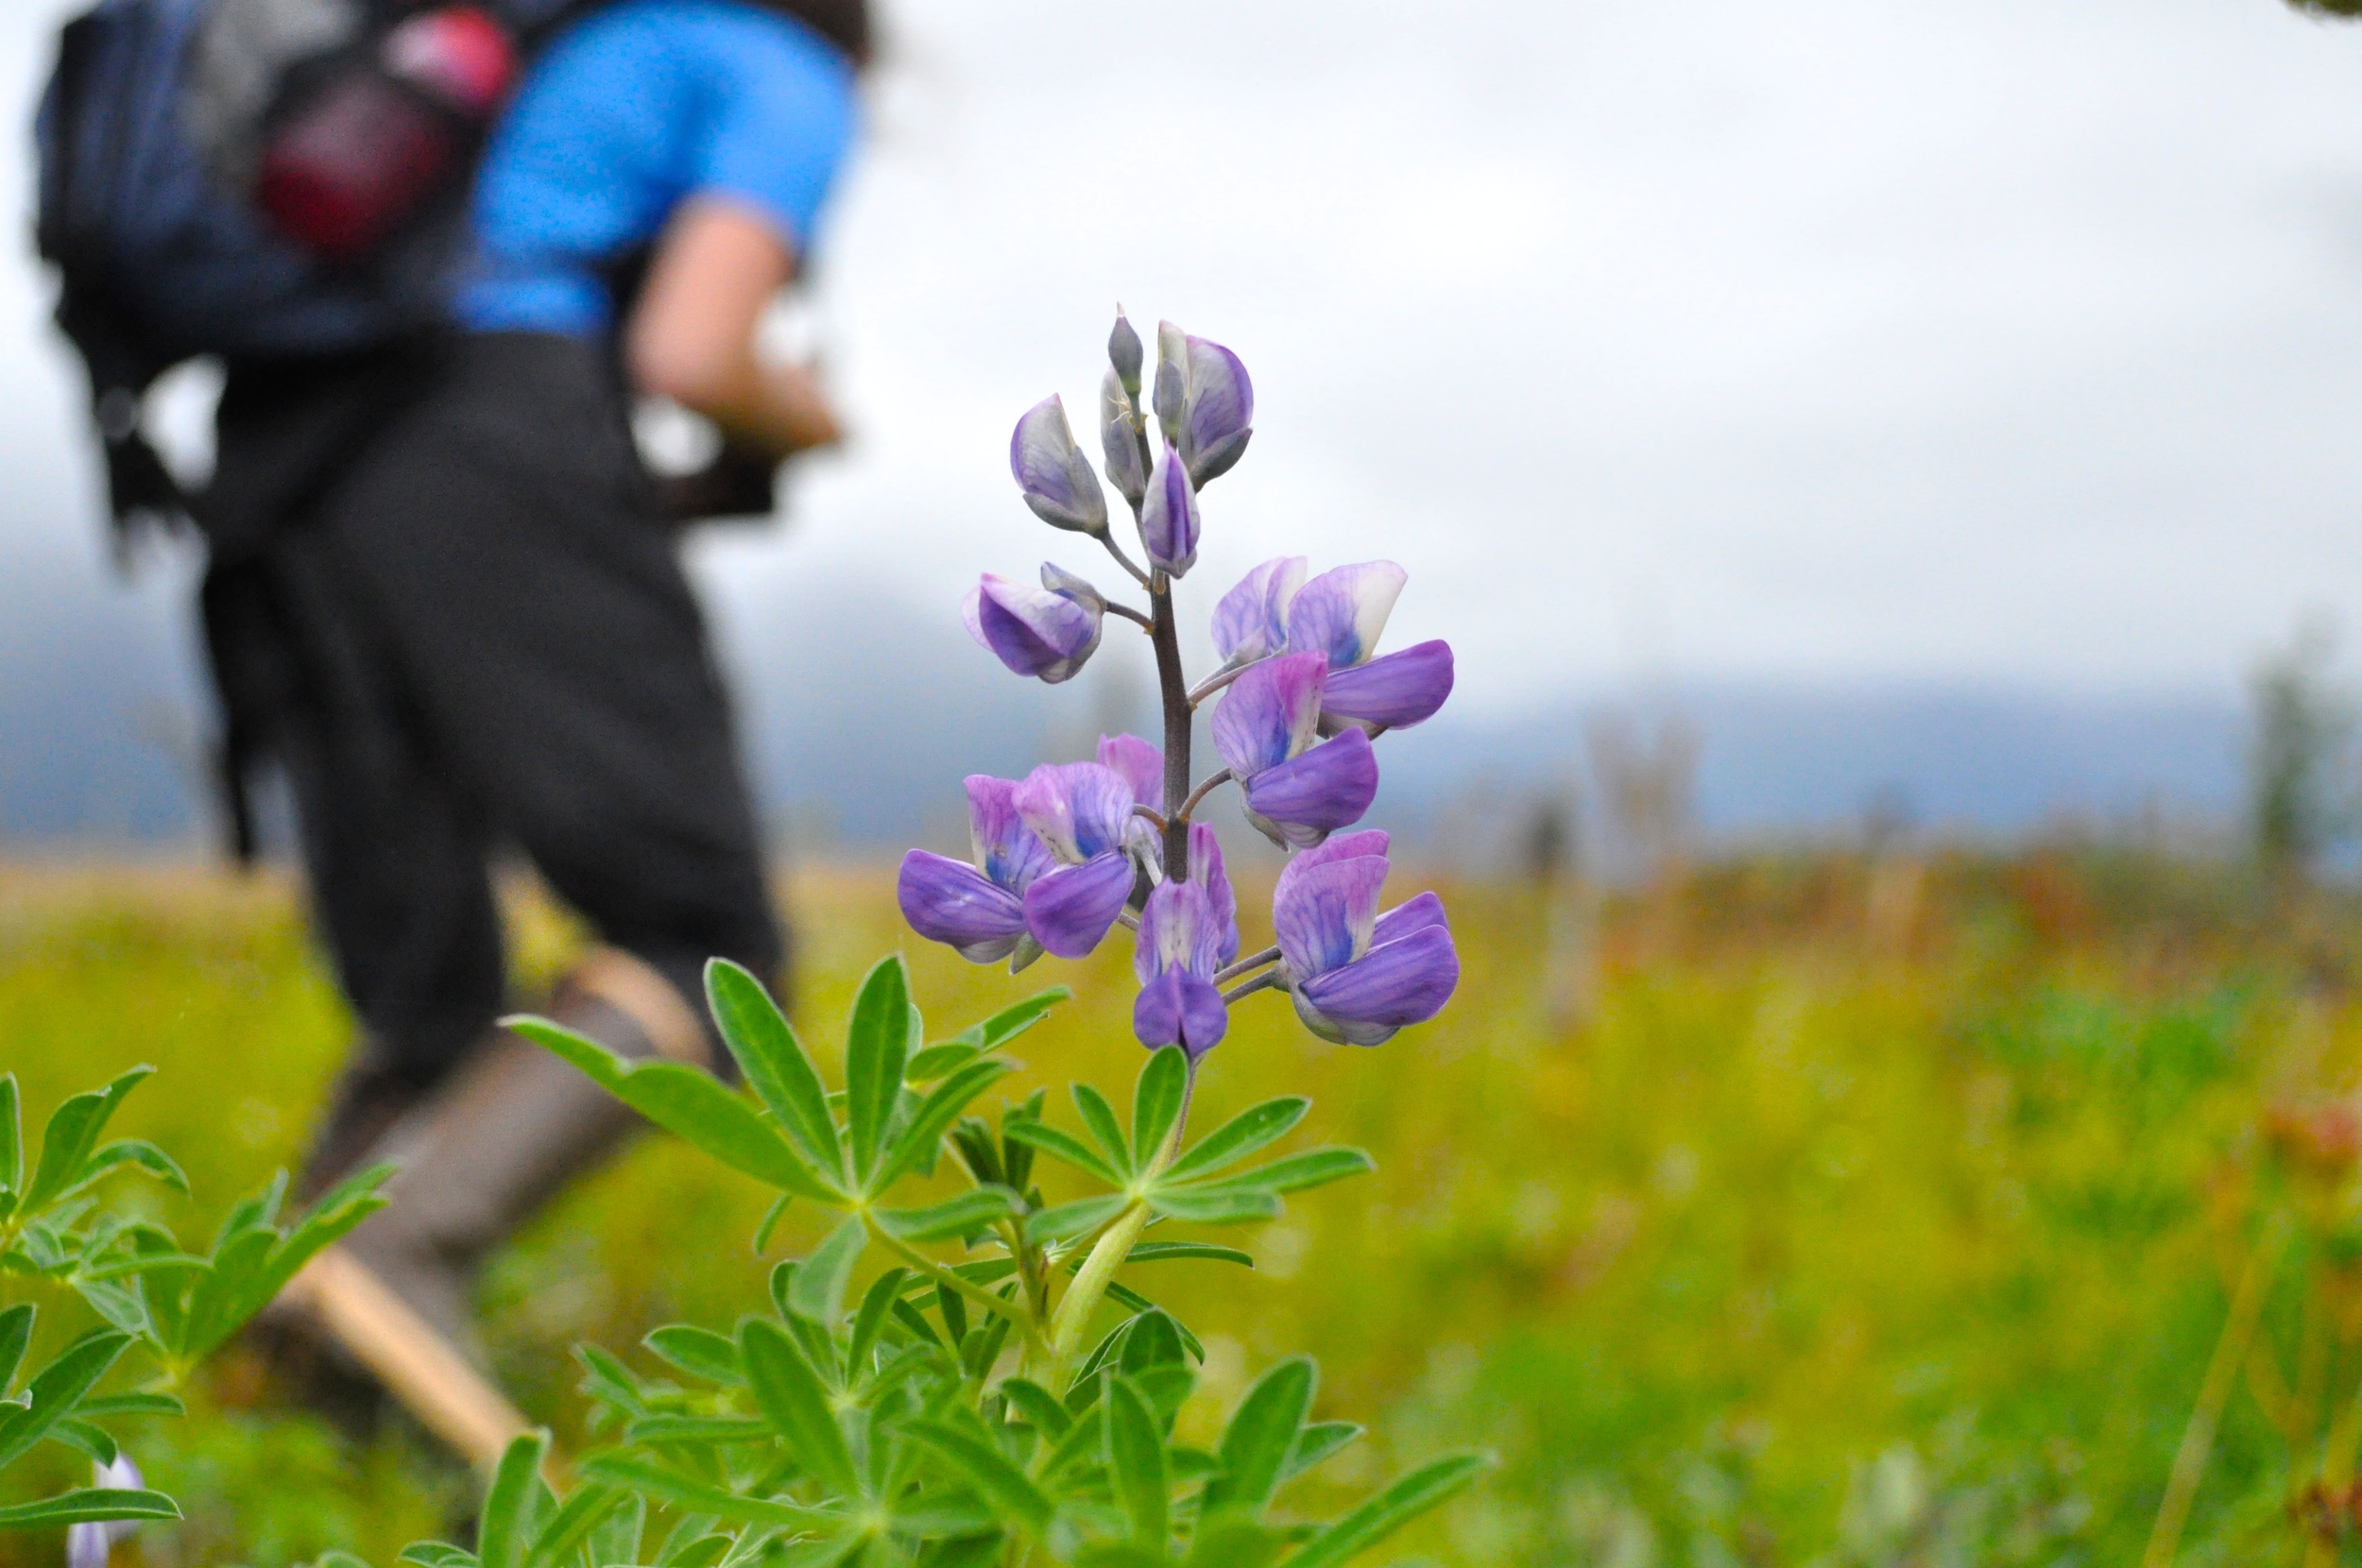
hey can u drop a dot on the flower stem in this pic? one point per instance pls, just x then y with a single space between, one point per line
988 1299
1173 688
1267 978
1212 783
1128 613
1253 961
1121 559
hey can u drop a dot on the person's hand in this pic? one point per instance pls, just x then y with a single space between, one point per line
741 482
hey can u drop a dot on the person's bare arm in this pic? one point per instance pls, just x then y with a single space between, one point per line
692 336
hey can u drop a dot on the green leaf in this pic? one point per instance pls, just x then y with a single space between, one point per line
73 1133
1061 1221
939 1061
1164 1083
338 1559
1154 1252
1012 1020
968 1212
1311 1168
56 1390
252 1266
437 1554
699 1497
1136 1464
818 1289
84 1437
876 1045
108 1405
1064 1146
770 1221
142 1155
1155 1341
1365 1526
990 1472
794 1401
870 1321
1261 1434
1241 1135
916 1143
615 1539
573 1523
1228 1207
1316 1442
775 1062
703 1431
1234 1543
16 1332
698 1352
1124 1296
1099 1119
86 1505
1037 1405
12 1136
689 1103
516 1505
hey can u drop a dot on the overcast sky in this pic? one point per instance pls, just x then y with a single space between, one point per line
1991 342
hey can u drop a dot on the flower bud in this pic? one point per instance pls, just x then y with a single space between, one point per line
1054 476
1123 438
1172 379
1169 516
1044 632
1124 352
1219 412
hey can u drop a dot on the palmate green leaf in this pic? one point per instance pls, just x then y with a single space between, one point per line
1235 1206
1036 1404
1136 1464
1156 1097
1012 1020
1124 1296
689 1103
1063 1221
1230 1541
140 1155
16 1332
1099 1118
795 1402
968 1212
699 1497
697 1431
88 1505
11 1141
876 1306
516 1506
615 1537
1295 1172
56 1391
876 1045
698 1352
73 1134
1064 1146
1415 1494
991 1472
939 1061
775 1062
253 1262
1243 1135
1261 1435
572 1524
1321 1440
817 1291
916 1143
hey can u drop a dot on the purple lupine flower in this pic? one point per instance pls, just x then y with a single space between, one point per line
1120 439
1220 417
1142 766
1048 631
1297 792
1251 621
1081 810
87 1544
978 909
1052 472
1124 352
1342 613
1189 931
1357 975
1169 516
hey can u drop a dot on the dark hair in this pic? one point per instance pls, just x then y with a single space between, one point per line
843 23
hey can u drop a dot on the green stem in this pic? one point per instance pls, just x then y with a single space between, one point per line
988 1299
1090 1285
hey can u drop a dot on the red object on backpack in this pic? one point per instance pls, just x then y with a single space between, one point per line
345 169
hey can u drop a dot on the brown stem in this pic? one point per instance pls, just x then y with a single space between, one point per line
1190 806
1174 691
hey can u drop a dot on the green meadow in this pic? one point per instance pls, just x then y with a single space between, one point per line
1802 1211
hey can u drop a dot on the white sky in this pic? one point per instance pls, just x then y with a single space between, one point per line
1990 341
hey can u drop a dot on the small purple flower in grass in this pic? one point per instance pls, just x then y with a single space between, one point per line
1052 473
1357 975
1343 613
87 1545
1082 811
1048 631
1189 931
1169 516
1297 792
1251 621
978 909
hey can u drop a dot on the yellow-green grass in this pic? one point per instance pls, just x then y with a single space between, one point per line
1866 1211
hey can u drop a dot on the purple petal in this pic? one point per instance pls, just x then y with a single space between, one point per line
1124 352
1345 846
947 901
1031 630
1221 411
1270 713
1399 983
1140 763
1177 931
1324 919
1251 621
1327 787
1058 580
1342 612
1170 396
1078 809
1120 440
86 1545
1222 903
1394 689
1169 516
1006 850
1179 1008
1403 919
1071 910
1054 476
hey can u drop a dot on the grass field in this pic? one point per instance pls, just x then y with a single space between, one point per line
1867 1215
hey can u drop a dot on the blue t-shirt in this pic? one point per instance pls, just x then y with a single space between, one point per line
642 104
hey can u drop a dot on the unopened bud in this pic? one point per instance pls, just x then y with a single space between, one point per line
1124 351
1172 379
1121 439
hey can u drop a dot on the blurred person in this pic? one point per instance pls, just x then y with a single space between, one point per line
471 629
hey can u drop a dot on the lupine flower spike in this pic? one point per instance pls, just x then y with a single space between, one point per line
1302 692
